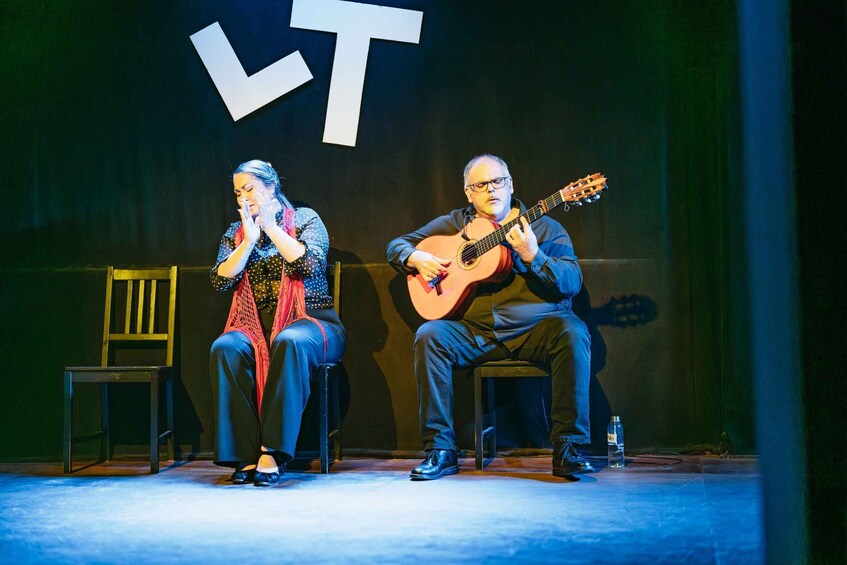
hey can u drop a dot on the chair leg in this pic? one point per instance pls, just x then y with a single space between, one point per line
491 410
477 408
323 382
336 411
169 392
154 424
106 439
67 433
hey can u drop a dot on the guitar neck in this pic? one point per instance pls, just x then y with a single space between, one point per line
498 236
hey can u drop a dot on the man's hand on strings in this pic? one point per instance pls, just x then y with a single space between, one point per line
427 264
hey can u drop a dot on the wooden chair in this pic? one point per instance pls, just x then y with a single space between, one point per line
484 414
325 377
141 306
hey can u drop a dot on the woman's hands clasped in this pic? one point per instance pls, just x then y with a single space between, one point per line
251 229
265 219
268 207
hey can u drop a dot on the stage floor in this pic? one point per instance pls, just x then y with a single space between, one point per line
660 509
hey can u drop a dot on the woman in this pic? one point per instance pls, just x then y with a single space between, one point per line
281 324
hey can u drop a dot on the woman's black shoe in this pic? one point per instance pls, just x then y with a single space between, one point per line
266 479
240 477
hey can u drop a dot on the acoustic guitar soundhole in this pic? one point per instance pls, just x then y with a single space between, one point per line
468 255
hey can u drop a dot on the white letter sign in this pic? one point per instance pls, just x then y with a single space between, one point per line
356 24
242 94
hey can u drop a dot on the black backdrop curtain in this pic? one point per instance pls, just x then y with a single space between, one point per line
117 149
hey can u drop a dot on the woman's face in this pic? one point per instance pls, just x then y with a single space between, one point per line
251 190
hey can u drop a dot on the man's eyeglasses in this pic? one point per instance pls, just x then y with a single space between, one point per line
498 182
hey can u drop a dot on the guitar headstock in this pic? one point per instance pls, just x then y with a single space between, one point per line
586 189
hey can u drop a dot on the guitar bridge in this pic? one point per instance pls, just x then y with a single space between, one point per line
436 284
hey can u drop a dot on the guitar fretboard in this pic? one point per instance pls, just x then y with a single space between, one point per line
498 236
587 189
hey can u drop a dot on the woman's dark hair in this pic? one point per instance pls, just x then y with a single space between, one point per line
265 172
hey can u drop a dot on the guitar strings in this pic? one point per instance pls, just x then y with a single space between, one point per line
483 245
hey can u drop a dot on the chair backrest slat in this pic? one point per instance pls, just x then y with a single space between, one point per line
152 318
336 286
146 274
147 279
107 318
171 274
140 312
128 313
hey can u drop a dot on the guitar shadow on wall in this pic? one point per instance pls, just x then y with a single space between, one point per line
619 312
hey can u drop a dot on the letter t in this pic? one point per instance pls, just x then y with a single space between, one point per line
355 24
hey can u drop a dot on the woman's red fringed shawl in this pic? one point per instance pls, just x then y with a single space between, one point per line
244 316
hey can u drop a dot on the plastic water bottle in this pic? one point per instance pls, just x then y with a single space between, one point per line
614 435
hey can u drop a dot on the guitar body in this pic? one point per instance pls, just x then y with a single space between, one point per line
448 298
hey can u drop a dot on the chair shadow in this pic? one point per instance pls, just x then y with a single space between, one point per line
119 469
399 292
541 477
619 312
368 416
532 409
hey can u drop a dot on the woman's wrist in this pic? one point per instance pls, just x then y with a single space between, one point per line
274 231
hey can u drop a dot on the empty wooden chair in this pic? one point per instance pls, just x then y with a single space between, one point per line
141 323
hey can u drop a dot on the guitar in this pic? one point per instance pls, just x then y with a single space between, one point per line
477 257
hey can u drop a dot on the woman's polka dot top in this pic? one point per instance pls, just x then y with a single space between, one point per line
266 265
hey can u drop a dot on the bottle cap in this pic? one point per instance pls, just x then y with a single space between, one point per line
616 418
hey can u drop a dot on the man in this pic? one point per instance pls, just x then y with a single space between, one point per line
526 316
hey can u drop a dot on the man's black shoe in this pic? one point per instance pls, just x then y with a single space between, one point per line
567 461
438 463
